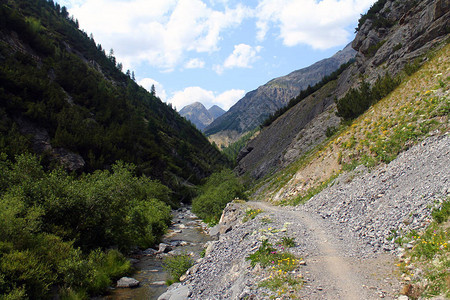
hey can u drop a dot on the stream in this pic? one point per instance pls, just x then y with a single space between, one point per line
185 236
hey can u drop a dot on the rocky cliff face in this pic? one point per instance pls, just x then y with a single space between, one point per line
417 26
405 33
257 105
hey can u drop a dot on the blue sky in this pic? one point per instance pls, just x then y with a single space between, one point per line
215 51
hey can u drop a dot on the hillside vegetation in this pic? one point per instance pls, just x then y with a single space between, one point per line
418 107
53 227
63 97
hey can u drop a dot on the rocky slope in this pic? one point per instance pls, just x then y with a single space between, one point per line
199 115
381 48
343 235
257 105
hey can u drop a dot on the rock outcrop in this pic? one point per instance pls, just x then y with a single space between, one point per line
418 26
127 282
40 140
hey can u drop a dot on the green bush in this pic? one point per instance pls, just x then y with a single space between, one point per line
219 189
176 266
53 226
358 100
331 130
442 214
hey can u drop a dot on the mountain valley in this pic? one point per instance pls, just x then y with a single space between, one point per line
331 182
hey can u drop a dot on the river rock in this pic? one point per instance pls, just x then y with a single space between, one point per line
127 282
164 248
214 231
176 292
149 251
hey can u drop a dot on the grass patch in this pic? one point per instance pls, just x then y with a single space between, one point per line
287 242
301 199
281 283
441 214
281 266
203 253
430 254
266 220
251 213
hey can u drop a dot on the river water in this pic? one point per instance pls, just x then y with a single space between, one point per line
187 232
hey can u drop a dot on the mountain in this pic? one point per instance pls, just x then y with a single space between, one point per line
216 111
199 115
63 98
393 40
249 112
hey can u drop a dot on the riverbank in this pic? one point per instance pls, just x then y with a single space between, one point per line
186 235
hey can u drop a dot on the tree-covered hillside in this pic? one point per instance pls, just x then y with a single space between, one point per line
63 96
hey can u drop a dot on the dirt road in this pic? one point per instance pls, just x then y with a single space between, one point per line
334 268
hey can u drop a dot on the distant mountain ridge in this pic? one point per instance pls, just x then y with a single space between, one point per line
257 105
199 115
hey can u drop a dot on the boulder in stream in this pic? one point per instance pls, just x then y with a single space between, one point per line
164 248
127 282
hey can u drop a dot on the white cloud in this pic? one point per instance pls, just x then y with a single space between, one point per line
243 56
320 24
208 98
229 98
159 32
147 84
195 63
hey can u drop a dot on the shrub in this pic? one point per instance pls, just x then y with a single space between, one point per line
412 67
176 266
331 130
219 189
358 100
442 214
54 227
372 50
397 47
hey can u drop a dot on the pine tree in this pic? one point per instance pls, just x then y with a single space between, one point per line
153 90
